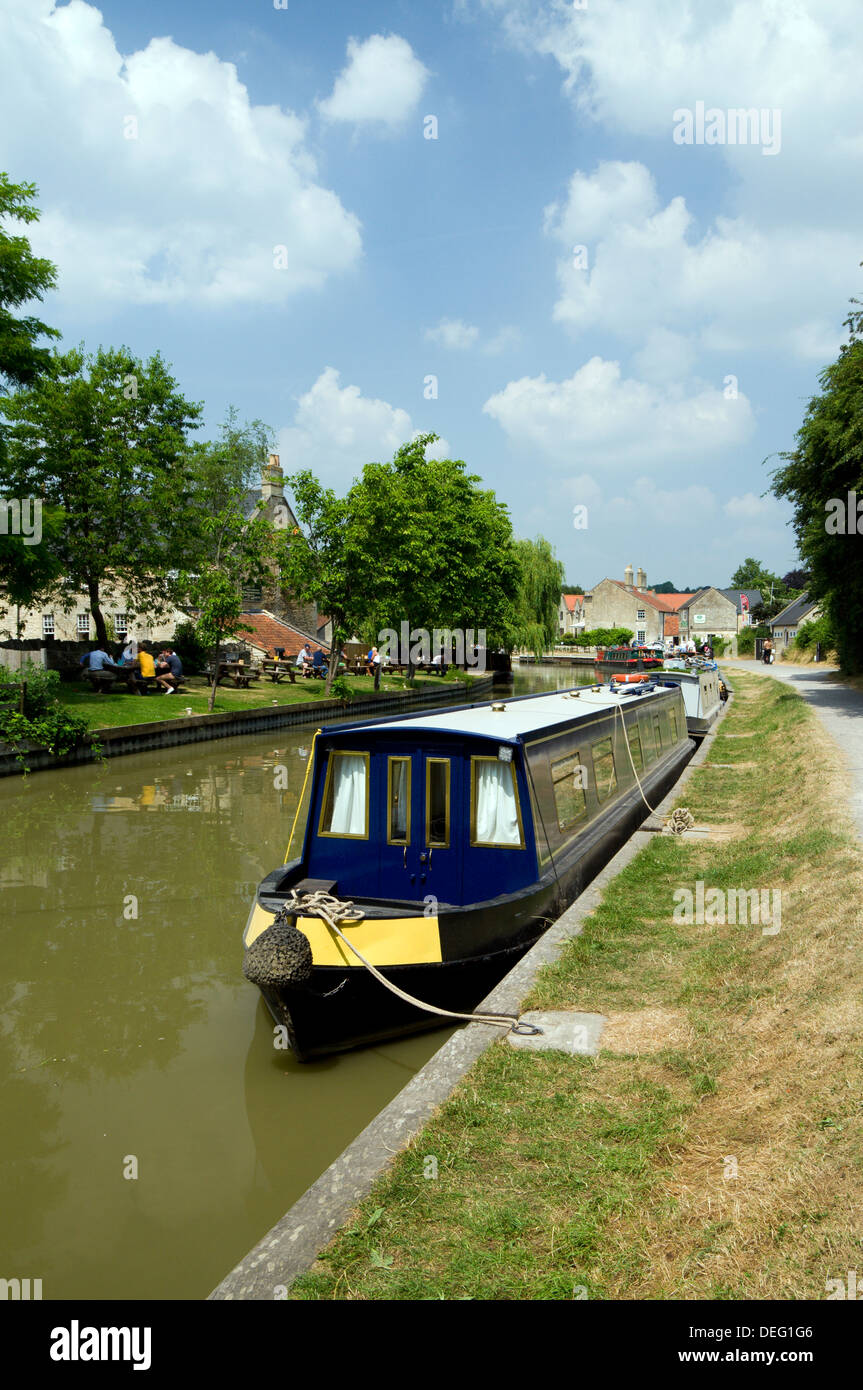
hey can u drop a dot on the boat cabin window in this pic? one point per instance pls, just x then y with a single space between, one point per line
437 803
634 736
398 801
495 819
658 737
569 780
345 811
603 769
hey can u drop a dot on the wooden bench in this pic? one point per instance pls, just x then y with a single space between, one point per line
103 681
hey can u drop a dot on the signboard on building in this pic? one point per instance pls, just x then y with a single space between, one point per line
698 618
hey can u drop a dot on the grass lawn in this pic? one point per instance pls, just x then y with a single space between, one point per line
121 708
714 1148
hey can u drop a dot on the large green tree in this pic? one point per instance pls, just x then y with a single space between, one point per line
823 478
439 548
23 279
106 438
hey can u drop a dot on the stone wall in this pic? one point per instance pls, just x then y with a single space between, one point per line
612 606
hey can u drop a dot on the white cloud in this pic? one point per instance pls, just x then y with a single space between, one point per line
189 210
630 66
381 83
645 272
504 340
599 419
454 334
336 430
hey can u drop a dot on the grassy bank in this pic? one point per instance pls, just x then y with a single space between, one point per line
119 708
714 1148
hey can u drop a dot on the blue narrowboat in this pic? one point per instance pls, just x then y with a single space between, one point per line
458 837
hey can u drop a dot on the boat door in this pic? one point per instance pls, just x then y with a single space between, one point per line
421 846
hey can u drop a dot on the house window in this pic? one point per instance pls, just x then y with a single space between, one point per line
83 625
641 615
121 624
641 635
47 624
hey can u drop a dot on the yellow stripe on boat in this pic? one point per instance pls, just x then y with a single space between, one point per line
382 940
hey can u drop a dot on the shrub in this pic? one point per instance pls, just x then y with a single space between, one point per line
190 648
44 721
341 690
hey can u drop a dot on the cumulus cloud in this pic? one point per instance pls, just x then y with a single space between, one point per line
336 430
599 419
640 269
454 334
381 83
162 183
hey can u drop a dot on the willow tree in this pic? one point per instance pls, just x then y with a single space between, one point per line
540 582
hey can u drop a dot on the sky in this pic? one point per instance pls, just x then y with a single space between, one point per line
536 228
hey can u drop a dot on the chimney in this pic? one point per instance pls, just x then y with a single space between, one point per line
272 481
641 580
627 577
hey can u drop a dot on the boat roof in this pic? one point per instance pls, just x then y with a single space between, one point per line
511 720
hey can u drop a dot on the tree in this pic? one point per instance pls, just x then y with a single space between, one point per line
105 438
23 278
774 595
29 567
324 562
538 597
241 553
571 589
796 581
439 549
822 478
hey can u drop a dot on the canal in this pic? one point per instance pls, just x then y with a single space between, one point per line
151 1133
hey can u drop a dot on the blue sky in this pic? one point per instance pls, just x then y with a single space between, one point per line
615 319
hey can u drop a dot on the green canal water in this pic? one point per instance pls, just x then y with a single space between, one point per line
151 1133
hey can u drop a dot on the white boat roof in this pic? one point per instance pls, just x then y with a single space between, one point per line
517 718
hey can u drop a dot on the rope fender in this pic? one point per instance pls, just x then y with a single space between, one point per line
262 967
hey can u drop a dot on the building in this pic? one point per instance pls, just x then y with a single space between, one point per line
570 614
651 617
784 627
717 613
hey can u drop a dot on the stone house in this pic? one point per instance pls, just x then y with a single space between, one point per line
629 603
784 627
717 613
570 614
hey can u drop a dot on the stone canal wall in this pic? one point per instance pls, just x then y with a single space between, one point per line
166 733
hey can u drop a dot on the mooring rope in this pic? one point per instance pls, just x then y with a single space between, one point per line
333 911
681 819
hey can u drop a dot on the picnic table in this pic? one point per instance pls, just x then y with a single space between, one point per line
126 677
277 670
236 671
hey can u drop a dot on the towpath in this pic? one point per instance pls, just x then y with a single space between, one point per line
839 707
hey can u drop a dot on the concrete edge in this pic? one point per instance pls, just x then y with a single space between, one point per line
291 1246
120 740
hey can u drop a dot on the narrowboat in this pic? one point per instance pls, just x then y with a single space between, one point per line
614 659
458 837
702 693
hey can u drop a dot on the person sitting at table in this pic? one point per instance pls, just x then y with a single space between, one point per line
304 659
319 663
97 660
146 668
169 670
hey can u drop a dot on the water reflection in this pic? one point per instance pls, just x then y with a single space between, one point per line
127 1029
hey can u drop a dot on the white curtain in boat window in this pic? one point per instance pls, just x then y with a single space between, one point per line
348 795
496 811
